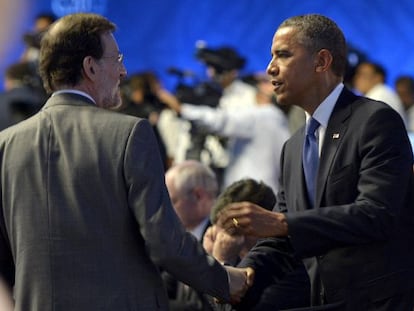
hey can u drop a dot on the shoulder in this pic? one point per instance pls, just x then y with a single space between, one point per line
358 106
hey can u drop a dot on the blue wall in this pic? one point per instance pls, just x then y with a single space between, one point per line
162 33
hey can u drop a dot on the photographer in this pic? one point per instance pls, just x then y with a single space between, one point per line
224 90
256 133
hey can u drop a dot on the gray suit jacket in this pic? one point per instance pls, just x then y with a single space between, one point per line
85 216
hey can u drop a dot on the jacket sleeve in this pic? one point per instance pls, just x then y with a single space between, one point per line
168 244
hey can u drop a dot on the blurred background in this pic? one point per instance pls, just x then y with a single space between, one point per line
161 35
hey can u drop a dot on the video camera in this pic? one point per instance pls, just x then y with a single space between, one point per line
207 93
221 59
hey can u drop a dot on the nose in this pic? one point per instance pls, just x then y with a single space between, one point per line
271 69
123 72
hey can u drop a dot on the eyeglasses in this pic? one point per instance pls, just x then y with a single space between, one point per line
119 57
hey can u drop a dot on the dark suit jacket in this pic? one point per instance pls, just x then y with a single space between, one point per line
85 217
361 231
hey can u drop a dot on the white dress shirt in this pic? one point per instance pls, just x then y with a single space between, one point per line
323 113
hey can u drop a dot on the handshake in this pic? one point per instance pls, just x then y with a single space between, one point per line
229 249
236 231
240 280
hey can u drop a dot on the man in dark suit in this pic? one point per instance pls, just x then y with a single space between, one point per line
357 233
85 217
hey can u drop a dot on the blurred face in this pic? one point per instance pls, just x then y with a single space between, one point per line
292 69
110 72
405 94
365 78
224 79
185 204
265 92
265 86
41 24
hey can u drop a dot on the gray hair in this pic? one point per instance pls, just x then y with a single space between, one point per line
192 174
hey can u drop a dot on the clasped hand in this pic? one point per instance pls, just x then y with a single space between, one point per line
240 280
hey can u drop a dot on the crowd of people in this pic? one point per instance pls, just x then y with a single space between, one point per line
286 190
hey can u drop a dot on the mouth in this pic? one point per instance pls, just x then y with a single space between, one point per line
277 85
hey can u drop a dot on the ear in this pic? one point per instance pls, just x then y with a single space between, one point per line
323 60
197 193
89 67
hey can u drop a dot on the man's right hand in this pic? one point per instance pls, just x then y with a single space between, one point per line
240 279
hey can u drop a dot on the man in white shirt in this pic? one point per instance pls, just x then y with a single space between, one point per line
404 86
190 142
370 79
255 133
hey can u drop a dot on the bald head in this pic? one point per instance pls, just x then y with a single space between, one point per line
193 188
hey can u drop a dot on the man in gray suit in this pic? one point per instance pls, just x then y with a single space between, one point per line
86 218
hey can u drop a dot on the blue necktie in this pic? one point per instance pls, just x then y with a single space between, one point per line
310 158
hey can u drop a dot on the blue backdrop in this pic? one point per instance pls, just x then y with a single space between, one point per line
158 34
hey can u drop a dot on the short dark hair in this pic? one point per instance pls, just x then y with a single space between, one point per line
20 71
318 32
66 44
407 80
377 69
244 190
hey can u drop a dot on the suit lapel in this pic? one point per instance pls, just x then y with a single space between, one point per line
293 172
334 135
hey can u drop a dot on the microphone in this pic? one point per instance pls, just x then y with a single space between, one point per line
180 73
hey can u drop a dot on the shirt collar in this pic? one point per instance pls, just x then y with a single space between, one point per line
74 92
324 110
199 230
